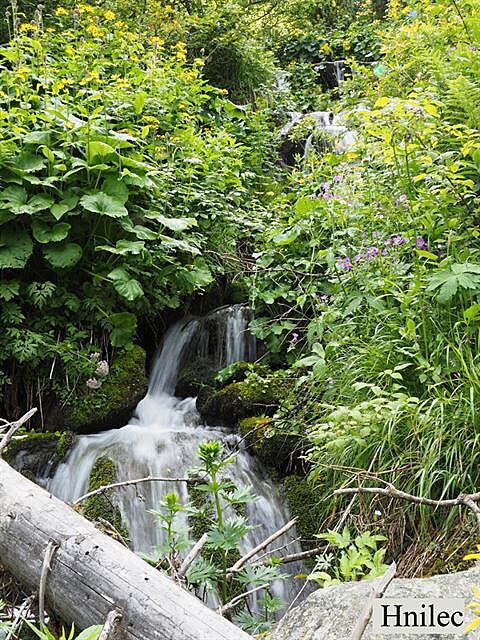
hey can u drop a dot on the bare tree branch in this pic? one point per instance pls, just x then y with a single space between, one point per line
192 554
49 553
377 592
239 564
230 605
14 427
469 500
110 627
127 483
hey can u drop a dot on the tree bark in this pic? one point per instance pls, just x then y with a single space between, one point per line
91 574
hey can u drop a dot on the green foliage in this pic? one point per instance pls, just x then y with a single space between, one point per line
225 529
100 507
357 558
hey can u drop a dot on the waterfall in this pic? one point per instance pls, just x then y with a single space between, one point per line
339 71
163 436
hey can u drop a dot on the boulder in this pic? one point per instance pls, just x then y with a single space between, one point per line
37 455
332 613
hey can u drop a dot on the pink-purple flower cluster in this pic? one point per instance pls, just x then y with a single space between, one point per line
372 252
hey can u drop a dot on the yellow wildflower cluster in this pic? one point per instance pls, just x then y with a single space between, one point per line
168 8
156 41
326 48
61 11
85 8
93 76
181 51
394 9
94 30
109 15
28 27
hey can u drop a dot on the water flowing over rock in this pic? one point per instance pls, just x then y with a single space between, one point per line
332 613
163 436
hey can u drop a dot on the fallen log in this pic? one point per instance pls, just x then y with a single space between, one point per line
90 574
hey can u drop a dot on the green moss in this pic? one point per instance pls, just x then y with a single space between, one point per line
304 505
64 445
112 404
100 507
195 379
29 440
238 400
277 450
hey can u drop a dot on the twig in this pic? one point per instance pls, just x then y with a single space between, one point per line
193 553
230 605
18 621
127 483
239 564
303 555
377 592
14 427
390 491
49 553
111 625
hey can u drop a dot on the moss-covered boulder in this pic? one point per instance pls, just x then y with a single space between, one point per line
304 505
253 396
196 378
110 406
37 455
101 507
277 450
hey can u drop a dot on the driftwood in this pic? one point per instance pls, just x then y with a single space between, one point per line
14 427
91 574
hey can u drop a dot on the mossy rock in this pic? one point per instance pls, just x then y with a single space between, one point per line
196 378
240 400
304 505
101 507
34 454
111 406
278 451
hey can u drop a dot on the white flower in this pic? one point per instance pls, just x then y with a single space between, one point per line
93 383
102 369
95 356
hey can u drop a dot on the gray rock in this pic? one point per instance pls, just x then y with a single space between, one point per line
332 613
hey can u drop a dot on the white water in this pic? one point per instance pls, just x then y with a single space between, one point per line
163 436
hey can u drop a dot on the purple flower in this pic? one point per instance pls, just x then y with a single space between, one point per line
93 383
371 253
324 298
376 234
421 244
325 186
337 178
295 336
401 199
398 240
344 263
328 196
385 252
388 242
358 258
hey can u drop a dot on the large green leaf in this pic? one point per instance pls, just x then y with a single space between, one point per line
175 224
64 255
59 209
98 152
44 233
125 286
124 326
15 248
13 196
40 202
124 247
29 163
103 204
116 189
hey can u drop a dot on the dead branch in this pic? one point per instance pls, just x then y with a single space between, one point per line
14 427
469 500
239 564
192 554
46 567
127 483
230 605
377 592
111 625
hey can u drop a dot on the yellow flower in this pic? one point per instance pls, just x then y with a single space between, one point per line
69 50
122 83
93 76
168 8
326 48
95 31
109 15
26 27
155 41
85 8
61 11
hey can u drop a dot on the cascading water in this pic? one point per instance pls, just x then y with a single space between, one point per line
163 437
